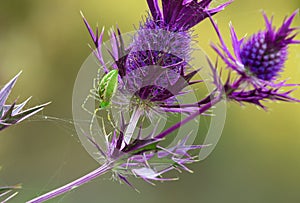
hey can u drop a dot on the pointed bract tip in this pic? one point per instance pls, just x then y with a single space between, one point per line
16 77
81 13
295 12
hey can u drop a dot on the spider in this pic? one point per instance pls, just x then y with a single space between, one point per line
103 90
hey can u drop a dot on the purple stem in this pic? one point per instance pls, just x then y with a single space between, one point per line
237 83
76 183
202 109
189 118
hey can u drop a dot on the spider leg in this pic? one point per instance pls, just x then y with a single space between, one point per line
96 82
110 120
84 103
92 120
94 117
95 93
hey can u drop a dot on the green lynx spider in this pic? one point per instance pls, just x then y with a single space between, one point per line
103 91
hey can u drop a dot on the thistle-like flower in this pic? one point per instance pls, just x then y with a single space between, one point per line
155 67
259 60
14 113
165 40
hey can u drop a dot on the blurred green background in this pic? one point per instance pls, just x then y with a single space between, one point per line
256 160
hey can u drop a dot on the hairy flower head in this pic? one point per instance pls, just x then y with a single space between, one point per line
265 53
262 56
165 40
258 61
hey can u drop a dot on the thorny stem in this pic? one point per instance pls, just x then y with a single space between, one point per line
231 88
198 104
189 118
202 109
76 183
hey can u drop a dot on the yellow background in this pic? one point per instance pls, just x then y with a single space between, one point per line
256 160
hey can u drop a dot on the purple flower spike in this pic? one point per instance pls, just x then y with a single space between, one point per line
261 58
258 61
181 15
265 52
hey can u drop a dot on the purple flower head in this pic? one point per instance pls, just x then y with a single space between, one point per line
258 61
162 57
163 42
260 58
265 52
180 15
154 67
14 113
